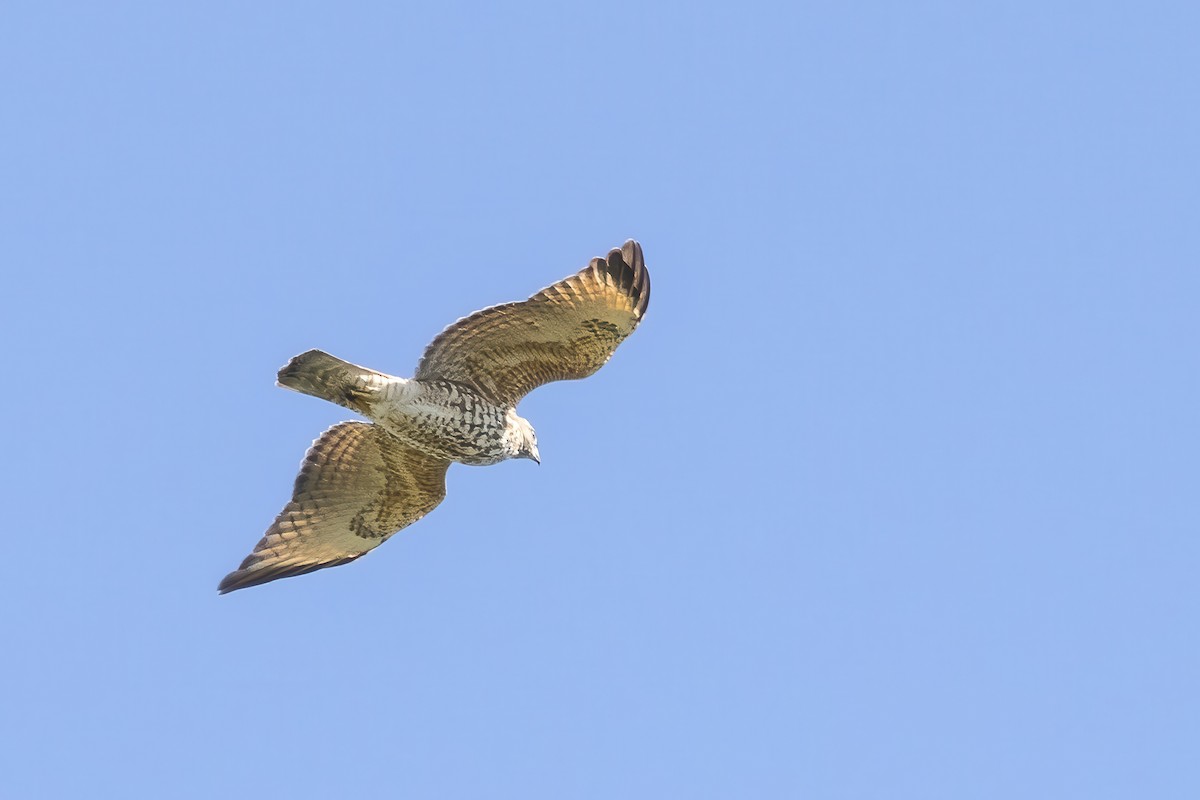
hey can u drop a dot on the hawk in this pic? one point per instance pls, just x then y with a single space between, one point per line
361 482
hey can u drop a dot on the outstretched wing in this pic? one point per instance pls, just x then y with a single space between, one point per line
357 486
566 331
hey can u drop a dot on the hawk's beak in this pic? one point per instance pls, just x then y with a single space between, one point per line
534 455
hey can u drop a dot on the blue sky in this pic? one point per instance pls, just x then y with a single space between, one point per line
893 494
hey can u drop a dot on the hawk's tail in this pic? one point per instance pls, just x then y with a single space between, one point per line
329 378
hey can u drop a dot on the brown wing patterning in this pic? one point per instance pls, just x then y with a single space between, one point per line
357 486
566 331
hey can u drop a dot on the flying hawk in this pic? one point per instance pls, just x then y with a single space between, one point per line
360 482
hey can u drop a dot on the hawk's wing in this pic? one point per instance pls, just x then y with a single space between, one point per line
567 330
357 486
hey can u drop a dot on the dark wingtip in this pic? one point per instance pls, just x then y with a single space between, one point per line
627 266
243 579
631 251
256 576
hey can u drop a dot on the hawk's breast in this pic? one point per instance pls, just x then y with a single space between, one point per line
448 420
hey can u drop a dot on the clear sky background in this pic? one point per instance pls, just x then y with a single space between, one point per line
893 494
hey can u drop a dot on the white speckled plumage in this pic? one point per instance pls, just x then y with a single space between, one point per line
361 482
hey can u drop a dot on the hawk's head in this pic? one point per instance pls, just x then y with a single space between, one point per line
522 440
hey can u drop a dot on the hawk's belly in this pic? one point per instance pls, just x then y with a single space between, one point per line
447 421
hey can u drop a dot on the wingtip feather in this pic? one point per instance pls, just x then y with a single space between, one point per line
256 576
627 266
